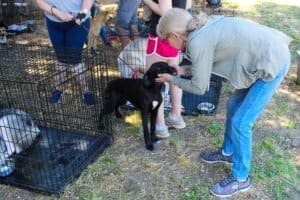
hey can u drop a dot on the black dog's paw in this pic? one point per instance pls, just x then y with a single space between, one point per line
118 115
156 140
150 147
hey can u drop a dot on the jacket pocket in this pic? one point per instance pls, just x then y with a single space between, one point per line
250 71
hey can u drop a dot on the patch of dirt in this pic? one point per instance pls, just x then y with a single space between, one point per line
126 170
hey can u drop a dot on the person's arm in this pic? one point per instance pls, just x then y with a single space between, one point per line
45 6
53 10
86 6
159 8
201 68
202 63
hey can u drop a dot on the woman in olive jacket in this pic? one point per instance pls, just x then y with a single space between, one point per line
252 57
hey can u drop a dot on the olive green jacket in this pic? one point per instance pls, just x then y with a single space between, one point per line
237 49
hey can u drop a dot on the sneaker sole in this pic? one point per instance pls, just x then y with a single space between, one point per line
229 195
214 162
176 126
157 135
162 136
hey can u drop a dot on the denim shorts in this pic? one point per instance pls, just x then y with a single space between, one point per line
67 39
127 13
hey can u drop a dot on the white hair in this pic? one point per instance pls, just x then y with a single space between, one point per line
179 21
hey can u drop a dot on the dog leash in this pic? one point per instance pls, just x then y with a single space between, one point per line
82 17
135 71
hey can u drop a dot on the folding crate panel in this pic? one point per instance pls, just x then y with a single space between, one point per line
44 144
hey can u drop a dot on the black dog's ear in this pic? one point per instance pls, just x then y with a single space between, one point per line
147 81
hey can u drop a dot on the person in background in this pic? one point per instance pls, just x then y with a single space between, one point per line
126 21
102 32
159 49
254 62
68 24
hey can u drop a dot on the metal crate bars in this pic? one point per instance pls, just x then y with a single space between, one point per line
69 135
19 12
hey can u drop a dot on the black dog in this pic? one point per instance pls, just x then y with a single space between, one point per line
144 94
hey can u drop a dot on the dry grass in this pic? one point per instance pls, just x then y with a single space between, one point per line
126 170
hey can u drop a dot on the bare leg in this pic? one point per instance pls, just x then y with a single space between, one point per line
176 96
123 37
134 33
78 71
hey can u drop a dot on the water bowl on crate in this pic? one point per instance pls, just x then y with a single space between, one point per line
205 104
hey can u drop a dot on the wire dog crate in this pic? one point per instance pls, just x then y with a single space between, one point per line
18 11
69 137
133 56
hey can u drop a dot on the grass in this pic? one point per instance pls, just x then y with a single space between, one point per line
196 192
282 108
283 17
214 128
127 171
274 167
292 125
174 169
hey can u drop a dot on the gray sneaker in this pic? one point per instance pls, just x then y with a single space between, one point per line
229 186
175 123
162 133
210 156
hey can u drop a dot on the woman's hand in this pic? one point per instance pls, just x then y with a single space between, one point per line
81 17
63 16
167 77
164 78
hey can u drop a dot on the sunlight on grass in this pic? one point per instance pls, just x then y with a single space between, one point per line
278 14
184 162
151 166
292 124
134 119
249 3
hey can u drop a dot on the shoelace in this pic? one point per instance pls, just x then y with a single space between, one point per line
217 154
227 181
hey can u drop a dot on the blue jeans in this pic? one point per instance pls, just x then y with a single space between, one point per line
67 39
243 108
102 32
127 14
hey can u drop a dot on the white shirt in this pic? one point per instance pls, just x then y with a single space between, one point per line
71 6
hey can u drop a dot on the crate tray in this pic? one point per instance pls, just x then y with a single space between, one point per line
55 159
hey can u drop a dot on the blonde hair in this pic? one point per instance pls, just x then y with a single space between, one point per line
179 21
